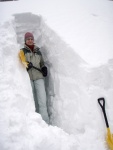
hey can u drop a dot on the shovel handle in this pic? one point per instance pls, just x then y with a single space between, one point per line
37 68
101 102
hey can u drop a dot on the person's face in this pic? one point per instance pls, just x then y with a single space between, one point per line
30 41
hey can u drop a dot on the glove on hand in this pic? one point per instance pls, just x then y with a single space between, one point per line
44 71
30 65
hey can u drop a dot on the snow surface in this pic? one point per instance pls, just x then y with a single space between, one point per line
72 86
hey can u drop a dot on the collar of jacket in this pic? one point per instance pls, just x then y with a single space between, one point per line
36 48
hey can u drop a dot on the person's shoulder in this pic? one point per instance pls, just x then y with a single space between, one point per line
25 50
21 49
37 50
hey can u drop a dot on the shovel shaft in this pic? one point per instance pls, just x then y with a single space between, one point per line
101 102
37 68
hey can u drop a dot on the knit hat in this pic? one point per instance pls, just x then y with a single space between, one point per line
27 35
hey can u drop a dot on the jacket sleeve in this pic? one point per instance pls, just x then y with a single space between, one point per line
23 59
42 62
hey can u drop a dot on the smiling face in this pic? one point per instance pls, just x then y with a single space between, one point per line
29 41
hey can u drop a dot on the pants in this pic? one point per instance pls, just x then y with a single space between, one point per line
39 93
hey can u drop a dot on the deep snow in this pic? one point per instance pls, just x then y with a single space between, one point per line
72 90
72 86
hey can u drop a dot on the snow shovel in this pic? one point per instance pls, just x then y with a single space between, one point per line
109 136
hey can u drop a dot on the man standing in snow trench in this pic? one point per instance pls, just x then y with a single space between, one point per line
32 59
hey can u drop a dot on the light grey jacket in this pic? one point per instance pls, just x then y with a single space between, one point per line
36 59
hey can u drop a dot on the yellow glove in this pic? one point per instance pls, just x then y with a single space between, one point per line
23 59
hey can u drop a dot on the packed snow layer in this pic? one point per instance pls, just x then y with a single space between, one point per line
72 91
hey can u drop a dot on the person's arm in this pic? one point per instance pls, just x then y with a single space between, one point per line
43 67
42 62
23 59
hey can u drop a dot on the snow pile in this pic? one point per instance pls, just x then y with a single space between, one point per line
72 91
20 127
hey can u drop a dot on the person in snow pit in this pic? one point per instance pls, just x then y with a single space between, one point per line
31 57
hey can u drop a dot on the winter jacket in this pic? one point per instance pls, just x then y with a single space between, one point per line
35 57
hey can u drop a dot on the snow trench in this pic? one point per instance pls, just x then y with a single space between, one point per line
61 60
72 92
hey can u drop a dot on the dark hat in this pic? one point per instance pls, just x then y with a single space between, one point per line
27 35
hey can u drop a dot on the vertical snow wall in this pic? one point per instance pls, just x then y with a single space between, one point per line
63 65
